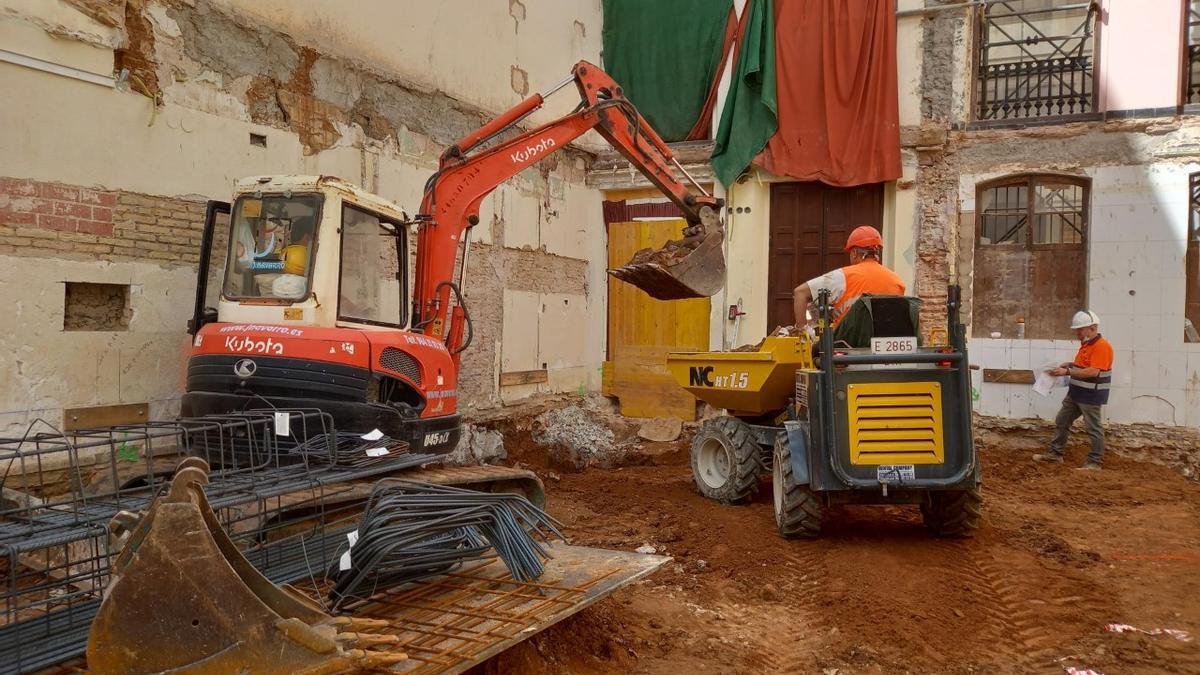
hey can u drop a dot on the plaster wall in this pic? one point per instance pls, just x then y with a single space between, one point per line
50 369
747 252
1133 34
490 53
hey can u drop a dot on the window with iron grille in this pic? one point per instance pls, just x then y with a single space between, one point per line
1191 53
1030 257
1033 210
1036 58
1192 259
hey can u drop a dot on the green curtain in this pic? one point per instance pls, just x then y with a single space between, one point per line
665 55
749 118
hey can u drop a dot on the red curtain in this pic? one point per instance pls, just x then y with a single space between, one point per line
839 119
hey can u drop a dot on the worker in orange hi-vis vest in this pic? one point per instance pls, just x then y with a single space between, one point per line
1090 376
864 275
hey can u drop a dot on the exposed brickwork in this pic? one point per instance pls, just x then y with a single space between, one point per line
54 206
53 219
936 231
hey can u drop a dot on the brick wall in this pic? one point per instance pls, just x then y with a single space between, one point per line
57 220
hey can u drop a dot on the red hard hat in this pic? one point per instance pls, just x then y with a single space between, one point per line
864 236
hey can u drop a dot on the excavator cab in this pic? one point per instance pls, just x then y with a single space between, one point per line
307 306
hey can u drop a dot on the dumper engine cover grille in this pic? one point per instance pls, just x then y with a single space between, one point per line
895 423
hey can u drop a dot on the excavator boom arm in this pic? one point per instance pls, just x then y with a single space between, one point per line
467 174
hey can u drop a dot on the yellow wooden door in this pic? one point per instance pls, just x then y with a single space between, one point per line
641 330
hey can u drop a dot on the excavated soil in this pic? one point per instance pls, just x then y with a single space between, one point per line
1060 554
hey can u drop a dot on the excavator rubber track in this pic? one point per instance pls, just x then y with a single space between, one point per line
484 478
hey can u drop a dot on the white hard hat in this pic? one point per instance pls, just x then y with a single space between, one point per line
1084 318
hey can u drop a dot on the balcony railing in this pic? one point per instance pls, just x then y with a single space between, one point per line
1034 61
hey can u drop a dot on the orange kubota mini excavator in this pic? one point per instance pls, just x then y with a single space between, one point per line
312 311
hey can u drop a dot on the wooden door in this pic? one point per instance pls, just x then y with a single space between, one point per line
809 225
641 330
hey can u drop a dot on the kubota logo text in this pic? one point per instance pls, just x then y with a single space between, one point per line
532 151
252 346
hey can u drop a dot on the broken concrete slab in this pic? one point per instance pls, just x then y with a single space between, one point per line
478 445
661 429
577 438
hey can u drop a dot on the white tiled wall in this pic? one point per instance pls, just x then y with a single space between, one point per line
1136 284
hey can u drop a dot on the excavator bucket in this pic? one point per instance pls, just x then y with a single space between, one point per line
693 267
183 599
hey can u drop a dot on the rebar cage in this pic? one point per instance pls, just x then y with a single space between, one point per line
283 485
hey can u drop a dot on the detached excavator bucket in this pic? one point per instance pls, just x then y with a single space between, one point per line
183 599
688 268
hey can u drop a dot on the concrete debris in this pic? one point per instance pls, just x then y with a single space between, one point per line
661 429
478 446
645 548
576 433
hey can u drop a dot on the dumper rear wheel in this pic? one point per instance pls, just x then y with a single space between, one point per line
798 510
725 460
952 513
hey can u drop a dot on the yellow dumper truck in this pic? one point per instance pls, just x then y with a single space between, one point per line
836 422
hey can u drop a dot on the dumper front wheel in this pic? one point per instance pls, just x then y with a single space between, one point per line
952 513
798 510
725 460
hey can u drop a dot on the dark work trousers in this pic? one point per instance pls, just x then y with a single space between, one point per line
1091 421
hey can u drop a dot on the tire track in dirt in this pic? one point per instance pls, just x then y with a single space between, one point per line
784 648
1027 604
1011 630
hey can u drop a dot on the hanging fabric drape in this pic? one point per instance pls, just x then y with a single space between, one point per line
748 118
666 54
838 112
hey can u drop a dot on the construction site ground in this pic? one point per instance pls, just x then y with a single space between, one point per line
1061 553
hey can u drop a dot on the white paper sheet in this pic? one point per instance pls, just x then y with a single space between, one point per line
373 435
344 562
283 423
1045 382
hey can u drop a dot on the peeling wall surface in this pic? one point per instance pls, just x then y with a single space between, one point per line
99 184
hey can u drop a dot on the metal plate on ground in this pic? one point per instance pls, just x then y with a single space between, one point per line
453 622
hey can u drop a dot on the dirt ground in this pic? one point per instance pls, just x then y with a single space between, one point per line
1061 553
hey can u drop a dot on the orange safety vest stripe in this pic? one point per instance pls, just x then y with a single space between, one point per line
867 276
